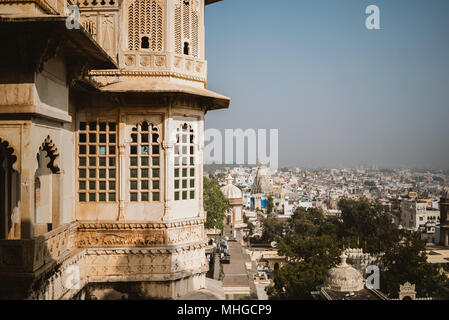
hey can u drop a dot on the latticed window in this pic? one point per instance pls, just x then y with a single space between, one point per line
187 22
184 163
145 25
97 161
145 162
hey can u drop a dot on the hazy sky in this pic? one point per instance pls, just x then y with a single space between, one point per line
340 94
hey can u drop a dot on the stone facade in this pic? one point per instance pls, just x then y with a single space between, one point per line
101 149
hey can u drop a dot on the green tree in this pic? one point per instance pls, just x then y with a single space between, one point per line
311 244
215 204
305 222
309 259
309 252
270 205
273 229
406 260
249 224
363 222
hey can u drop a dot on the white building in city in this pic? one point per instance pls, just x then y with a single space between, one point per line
416 214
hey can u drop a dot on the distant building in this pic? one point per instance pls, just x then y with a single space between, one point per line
416 214
261 182
235 215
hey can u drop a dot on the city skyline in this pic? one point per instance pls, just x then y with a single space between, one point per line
340 95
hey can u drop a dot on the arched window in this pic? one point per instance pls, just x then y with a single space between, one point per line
145 159
184 163
145 20
46 188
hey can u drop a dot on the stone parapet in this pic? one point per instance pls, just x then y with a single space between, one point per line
97 252
22 256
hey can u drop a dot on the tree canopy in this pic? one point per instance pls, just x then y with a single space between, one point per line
312 244
270 205
215 204
309 253
273 229
406 260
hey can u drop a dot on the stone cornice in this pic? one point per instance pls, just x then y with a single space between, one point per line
87 225
129 73
145 251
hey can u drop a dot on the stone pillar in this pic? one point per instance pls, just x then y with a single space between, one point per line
27 183
199 162
168 145
123 164
56 200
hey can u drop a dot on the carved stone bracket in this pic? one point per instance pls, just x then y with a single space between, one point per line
10 154
53 153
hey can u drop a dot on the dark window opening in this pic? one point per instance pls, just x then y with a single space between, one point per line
186 48
145 43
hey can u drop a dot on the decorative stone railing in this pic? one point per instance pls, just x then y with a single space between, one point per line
96 3
116 235
54 245
105 251
29 255
162 64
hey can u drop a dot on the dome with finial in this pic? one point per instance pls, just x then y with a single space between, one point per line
230 191
344 278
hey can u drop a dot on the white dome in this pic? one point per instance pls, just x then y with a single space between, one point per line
344 278
230 191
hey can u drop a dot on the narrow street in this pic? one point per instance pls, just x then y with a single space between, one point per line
237 283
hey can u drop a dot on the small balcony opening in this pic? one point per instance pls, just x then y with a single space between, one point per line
186 48
145 44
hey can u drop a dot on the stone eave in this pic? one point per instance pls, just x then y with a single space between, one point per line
211 100
211 1
39 37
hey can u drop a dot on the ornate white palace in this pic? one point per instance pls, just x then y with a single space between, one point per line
101 148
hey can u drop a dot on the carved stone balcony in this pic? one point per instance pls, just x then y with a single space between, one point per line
24 256
161 64
41 268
